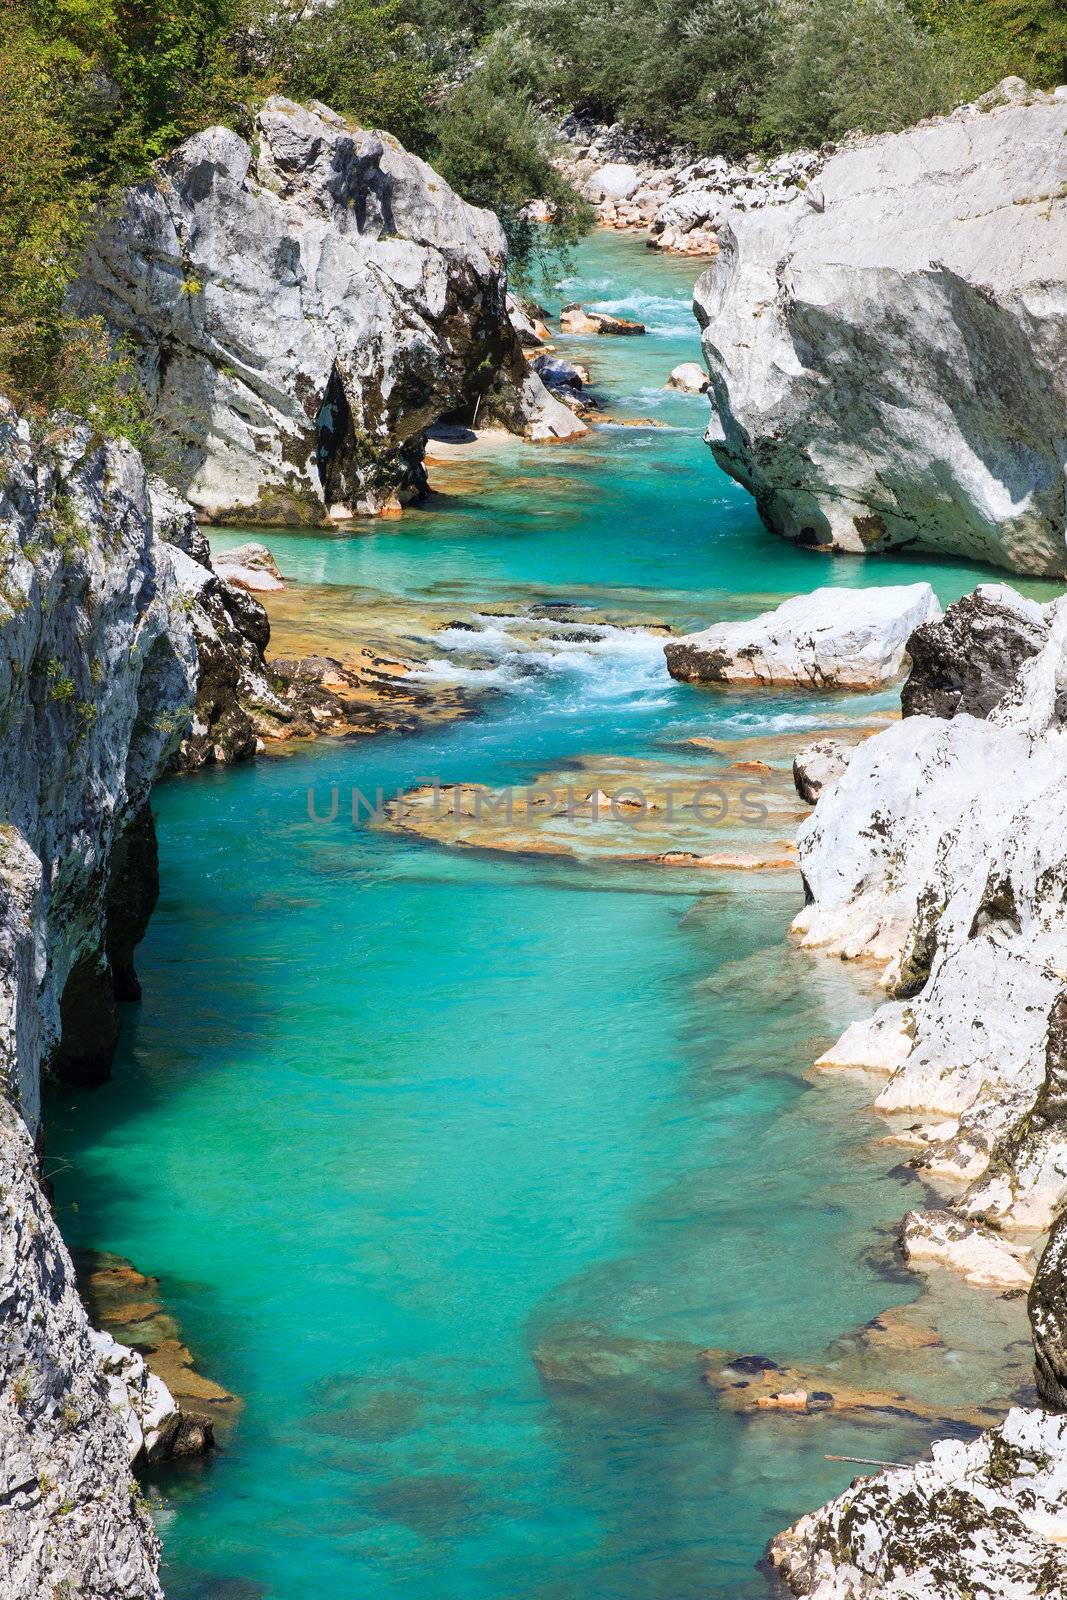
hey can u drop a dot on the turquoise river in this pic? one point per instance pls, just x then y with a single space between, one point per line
449 1163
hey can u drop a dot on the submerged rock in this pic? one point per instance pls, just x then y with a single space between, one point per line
886 346
302 307
829 639
984 1518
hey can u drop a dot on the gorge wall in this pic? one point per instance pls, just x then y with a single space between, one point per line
98 675
888 347
939 852
302 306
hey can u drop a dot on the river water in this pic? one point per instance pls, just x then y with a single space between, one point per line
451 1163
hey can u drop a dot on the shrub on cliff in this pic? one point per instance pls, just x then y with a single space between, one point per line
362 57
497 151
863 64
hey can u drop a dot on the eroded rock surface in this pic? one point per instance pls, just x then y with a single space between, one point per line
97 681
970 659
302 308
886 346
940 852
983 1518
829 639
819 764
1047 1306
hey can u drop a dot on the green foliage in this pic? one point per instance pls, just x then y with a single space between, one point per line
496 150
365 59
92 92
702 76
998 38
44 196
848 64
60 683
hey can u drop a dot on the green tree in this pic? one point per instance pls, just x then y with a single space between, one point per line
701 75
855 64
365 59
497 150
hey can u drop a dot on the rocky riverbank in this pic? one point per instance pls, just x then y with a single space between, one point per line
669 192
99 676
124 654
302 307
938 852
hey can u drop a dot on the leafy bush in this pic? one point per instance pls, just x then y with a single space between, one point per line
496 150
855 64
363 58
995 38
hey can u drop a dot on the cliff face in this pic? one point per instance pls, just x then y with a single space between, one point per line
941 851
97 681
303 307
888 349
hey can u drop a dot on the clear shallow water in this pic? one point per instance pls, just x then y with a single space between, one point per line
450 1165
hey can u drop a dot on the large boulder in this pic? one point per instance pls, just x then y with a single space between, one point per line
887 348
618 180
969 660
302 307
981 1517
829 639
689 377
940 852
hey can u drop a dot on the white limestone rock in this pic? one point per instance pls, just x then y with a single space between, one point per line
887 348
689 377
148 1410
302 308
986 1517
615 181
829 639
978 1254
249 566
71 1521
818 764
98 673
940 853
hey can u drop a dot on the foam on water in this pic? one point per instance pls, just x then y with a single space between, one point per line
663 316
610 662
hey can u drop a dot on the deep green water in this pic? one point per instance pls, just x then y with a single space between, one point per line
391 1120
